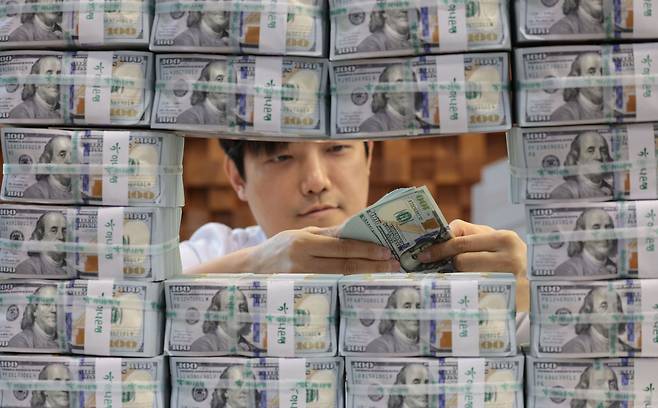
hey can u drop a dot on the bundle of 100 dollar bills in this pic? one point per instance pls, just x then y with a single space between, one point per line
105 317
67 381
443 94
583 382
96 167
252 315
289 27
241 95
423 382
79 87
57 242
583 163
586 84
592 241
461 314
567 21
209 382
594 318
370 28
51 24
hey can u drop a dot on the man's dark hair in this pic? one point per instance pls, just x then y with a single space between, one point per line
235 150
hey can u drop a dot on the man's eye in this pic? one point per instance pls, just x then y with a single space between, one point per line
590 150
281 158
596 226
604 306
338 148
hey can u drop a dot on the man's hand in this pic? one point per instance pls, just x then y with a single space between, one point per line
319 250
479 248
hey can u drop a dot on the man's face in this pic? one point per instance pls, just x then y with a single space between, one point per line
238 397
57 399
233 326
51 18
599 220
217 73
590 66
54 229
45 315
217 20
602 379
408 299
416 378
306 184
592 7
49 67
398 20
603 303
401 102
61 154
593 149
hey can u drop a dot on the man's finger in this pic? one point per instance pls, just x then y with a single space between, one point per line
329 247
481 262
460 245
354 266
460 228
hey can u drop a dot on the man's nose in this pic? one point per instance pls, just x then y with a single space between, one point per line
60 234
315 177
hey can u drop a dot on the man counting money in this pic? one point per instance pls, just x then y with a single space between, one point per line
300 193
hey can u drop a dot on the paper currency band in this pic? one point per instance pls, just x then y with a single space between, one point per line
592 235
242 317
612 318
584 394
245 383
263 6
243 89
66 300
337 7
612 167
433 87
77 386
434 388
89 248
12 9
605 81
91 169
76 80
430 314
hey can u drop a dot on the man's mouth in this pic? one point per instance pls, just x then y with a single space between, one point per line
318 209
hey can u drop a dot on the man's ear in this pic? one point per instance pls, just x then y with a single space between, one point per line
234 177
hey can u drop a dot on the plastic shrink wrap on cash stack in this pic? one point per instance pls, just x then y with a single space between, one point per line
393 324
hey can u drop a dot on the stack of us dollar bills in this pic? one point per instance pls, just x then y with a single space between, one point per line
292 27
91 317
586 84
76 87
252 315
95 167
583 163
241 95
586 382
461 314
443 94
57 242
407 221
256 382
377 382
566 21
367 29
26 24
69 381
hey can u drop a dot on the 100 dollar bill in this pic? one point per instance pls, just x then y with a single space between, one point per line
594 319
443 94
591 241
366 29
241 95
610 382
566 21
464 314
447 382
263 382
407 221
54 166
91 242
583 163
117 318
293 27
80 87
64 382
44 25
278 315
586 84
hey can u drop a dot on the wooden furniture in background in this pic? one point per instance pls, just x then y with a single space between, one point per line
449 166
